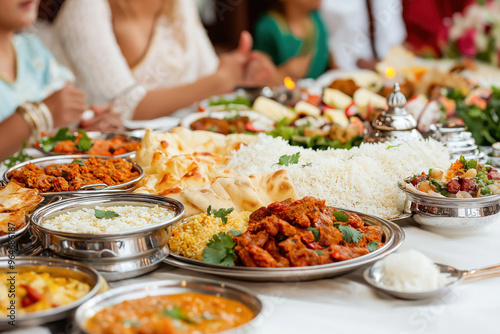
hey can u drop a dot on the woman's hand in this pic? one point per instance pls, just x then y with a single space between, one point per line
66 105
105 120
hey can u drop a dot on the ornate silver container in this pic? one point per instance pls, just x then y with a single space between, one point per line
394 125
457 140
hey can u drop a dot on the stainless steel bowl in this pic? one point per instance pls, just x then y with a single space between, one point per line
458 214
119 245
90 189
5 238
157 288
25 244
393 236
61 268
100 135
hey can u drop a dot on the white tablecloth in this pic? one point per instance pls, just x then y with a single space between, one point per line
346 304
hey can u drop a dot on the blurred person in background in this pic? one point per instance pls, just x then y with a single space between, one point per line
36 93
293 34
150 58
363 31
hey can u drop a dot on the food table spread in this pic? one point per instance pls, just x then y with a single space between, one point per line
206 176
348 304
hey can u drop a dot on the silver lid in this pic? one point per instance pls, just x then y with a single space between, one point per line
394 125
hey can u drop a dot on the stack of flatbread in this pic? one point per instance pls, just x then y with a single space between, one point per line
191 167
15 203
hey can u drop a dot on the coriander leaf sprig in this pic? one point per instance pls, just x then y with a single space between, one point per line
220 213
220 249
99 214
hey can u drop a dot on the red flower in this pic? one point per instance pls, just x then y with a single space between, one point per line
466 45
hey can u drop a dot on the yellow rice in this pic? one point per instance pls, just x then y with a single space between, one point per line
189 239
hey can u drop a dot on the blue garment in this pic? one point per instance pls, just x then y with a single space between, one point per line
38 75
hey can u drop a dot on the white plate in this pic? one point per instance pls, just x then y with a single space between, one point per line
260 121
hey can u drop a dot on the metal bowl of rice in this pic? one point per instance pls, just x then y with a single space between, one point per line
455 214
131 240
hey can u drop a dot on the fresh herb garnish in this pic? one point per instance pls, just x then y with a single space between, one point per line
349 234
220 250
486 191
391 146
84 143
373 246
319 252
472 164
220 213
341 216
99 214
315 232
78 162
234 232
48 143
21 156
286 160
178 314
212 129
307 164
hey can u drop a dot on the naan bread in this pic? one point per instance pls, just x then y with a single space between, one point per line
17 220
13 197
244 192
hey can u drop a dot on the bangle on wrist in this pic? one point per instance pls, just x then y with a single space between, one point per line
38 118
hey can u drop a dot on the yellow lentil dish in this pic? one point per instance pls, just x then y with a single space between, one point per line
186 313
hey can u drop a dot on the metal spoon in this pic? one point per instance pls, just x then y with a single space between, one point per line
373 275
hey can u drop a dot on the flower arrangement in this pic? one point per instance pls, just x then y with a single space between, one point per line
475 33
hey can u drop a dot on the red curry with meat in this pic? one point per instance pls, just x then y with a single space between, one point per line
69 177
305 232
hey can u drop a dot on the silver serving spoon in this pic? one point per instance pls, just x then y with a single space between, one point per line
373 275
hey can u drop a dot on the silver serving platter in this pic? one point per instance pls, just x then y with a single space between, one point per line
90 189
105 246
62 268
16 234
25 244
393 236
457 214
169 287
100 135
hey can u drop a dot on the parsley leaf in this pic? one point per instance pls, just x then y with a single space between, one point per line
78 162
178 314
220 213
319 252
286 160
99 214
84 143
315 232
48 143
17 158
373 246
341 216
220 250
349 234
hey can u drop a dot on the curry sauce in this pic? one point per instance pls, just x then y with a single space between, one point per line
171 314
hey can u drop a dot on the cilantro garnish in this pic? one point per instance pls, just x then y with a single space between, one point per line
373 246
84 143
78 162
220 213
286 160
99 214
234 232
17 158
391 146
315 232
48 143
220 250
319 252
178 314
341 216
349 234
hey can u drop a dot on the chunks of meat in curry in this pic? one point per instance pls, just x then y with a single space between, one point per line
281 235
69 177
224 126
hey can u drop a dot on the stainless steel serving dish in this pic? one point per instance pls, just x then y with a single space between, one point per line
90 189
24 243
393 238
100 135
61 268
455 214
116 255
157 288
16 234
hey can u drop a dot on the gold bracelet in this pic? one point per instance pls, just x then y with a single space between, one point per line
23 111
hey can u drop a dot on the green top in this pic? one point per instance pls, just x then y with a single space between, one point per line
273 36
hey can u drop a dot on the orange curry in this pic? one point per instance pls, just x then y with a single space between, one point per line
105 147
69 177
171 314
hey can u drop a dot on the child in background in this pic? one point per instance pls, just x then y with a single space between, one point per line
35 92
294 36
